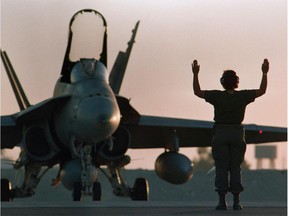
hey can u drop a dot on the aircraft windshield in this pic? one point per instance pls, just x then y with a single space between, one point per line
88 36
88 69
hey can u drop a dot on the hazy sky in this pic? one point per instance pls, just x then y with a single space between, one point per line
221 34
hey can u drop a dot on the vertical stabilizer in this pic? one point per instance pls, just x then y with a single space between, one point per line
16 86
119 67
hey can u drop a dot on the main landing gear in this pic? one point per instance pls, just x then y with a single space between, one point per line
6 190
32 177
140 191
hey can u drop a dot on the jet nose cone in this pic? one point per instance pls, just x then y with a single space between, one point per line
104 118
96 119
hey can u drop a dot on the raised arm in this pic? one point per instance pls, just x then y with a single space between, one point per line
263 86
196 86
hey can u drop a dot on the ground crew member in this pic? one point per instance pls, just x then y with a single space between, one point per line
228 143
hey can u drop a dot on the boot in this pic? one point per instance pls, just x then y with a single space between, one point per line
236 204
222 205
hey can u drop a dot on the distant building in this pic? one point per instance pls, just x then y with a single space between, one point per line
265 152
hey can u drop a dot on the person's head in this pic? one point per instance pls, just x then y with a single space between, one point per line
229 80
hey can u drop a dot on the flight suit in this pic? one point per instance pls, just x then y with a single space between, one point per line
228 143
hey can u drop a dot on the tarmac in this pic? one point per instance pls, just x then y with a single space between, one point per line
131 208
265 194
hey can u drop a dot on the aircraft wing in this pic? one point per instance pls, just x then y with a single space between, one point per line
11 125
158 132
10 132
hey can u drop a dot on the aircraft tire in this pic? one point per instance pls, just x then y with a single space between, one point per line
140 190
77 191
6 190
96 193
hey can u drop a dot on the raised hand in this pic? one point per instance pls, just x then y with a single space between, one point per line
265 66
195 67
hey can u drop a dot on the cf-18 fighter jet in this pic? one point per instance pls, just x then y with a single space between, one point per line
87 126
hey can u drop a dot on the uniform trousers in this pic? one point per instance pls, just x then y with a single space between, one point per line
228 150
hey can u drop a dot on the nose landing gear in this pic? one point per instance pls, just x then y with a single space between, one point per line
96 191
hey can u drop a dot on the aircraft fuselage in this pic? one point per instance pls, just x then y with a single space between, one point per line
91 114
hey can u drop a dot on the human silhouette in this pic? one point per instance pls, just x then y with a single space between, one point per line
228 142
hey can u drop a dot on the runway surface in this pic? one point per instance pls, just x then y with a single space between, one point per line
135 208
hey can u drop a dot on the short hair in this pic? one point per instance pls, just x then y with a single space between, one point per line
229 80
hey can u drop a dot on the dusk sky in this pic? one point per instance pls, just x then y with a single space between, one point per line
220 34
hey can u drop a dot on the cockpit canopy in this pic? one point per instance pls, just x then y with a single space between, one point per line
87 40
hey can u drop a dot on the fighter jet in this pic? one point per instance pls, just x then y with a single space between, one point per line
87 126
